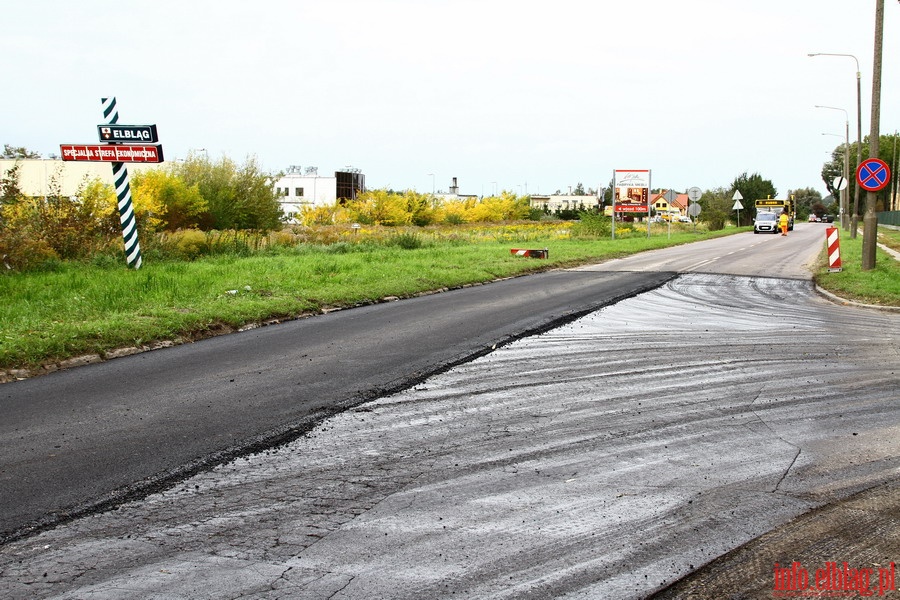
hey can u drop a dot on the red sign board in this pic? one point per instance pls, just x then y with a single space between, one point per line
631 208
112 153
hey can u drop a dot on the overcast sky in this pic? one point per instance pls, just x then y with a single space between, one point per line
526 96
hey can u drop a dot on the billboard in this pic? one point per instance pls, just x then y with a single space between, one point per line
632 191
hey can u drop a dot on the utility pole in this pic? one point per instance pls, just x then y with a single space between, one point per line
870 219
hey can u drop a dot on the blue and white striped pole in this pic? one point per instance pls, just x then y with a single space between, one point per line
123 193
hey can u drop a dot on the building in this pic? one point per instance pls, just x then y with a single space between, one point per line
676 208
553 203
40 177
301 188
453 194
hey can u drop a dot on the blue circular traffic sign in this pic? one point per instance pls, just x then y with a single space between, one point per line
873 174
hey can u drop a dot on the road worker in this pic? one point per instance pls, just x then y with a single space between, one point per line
783 222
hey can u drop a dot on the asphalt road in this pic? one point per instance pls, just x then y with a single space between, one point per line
80 440
604 458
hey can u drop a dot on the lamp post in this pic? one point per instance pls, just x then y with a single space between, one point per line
845 198
853 215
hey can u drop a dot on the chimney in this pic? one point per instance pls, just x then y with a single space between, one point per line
454 189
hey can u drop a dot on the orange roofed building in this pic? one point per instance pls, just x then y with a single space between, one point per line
677 207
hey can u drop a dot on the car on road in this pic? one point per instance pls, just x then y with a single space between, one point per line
814 218
828 218
765 222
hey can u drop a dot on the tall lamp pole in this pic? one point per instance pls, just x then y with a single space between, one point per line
845 199
853 215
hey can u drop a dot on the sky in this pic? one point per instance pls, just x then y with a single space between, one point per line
518 95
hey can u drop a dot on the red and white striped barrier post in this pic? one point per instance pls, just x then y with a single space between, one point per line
532 253
834 249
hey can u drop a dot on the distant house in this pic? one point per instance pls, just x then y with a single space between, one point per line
677 207
299 188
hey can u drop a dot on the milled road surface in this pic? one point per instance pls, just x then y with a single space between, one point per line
602 459
78 440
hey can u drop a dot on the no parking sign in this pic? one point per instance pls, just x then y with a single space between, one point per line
873 174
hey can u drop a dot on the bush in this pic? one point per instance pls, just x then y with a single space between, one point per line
188 244
22 252
407 241
592 224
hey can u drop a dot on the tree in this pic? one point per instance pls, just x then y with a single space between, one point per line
818 209
716 205
18 152
237 197
259 209
175 204
752 188
804 199
579 190
835 168
10 192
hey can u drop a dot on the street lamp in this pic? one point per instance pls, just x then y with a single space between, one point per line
845 200
853 218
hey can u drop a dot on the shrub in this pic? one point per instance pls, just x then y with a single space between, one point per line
592 224
188 244
407 240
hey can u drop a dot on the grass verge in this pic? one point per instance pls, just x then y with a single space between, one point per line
78 309
878 286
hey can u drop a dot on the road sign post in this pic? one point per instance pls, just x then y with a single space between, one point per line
123 193
115 150
737 206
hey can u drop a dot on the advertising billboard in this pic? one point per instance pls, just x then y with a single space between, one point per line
632 191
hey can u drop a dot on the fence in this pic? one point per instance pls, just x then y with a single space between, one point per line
889 217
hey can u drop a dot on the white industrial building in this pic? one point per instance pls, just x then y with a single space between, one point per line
299 188
302 188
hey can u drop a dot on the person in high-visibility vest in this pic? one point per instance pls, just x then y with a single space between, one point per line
783 222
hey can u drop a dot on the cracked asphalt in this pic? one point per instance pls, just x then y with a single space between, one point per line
607 458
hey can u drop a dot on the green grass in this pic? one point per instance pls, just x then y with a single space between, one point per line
878 286
889 237
78 309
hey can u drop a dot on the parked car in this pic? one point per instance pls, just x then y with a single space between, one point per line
765 222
